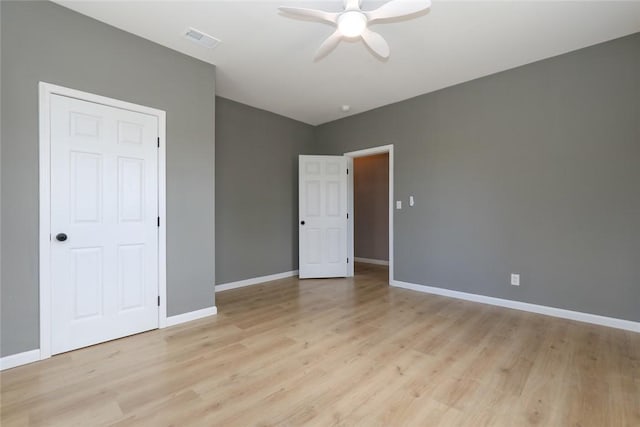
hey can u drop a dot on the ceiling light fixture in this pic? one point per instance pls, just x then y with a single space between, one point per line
353 22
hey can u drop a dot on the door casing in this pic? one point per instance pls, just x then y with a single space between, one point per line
46 90
350 242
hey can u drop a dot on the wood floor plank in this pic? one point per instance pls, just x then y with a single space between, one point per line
339 352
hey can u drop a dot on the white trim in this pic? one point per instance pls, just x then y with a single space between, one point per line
370 152
162 213
595 319
371 261
46 90
45 219
192 315
8 362
213 200
254 281
350 218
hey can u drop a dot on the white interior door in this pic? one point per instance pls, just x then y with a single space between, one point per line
104 208
323 216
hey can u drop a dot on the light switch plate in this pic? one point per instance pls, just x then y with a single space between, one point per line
411 202
515 279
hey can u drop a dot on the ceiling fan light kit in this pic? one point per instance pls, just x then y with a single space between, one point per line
353 22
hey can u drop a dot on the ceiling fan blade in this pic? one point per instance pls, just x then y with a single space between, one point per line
320 15
398 8
328 45
376 43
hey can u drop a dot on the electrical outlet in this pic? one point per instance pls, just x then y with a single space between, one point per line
398 204
515 279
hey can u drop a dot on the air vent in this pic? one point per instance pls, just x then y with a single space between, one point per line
201 38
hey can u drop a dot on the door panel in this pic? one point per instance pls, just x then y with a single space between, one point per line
130 190
86 187
131 276
86 277
323 209
313 198
104 197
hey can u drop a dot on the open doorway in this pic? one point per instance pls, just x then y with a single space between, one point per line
370 203
371 209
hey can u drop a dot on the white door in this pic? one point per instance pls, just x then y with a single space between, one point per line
104 208
322 210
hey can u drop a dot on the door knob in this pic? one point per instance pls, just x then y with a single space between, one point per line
61 237
301 222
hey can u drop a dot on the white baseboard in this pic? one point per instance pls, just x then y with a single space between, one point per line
8 362
371 261
192 315
19 359
524 306
255 281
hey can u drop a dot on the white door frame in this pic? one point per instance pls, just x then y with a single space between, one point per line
350 248
46 91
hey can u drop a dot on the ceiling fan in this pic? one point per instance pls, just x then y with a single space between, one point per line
353 22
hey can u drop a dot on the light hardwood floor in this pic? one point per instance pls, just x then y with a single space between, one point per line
341 352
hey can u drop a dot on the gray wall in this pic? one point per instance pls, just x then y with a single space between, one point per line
256 190
371 206
535 170
46 42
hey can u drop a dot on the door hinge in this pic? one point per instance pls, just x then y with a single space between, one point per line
158 142
347 260
347 171
347 215
158 221
158 300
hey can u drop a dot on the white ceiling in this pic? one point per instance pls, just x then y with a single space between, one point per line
265 58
